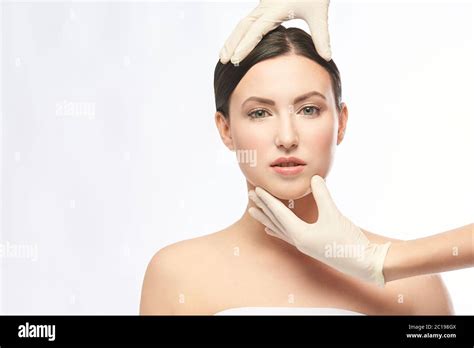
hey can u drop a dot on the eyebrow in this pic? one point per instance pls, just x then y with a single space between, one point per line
297 99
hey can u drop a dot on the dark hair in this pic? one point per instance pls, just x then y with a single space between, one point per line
277 42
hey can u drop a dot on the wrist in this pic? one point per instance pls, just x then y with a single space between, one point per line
393 264
379 277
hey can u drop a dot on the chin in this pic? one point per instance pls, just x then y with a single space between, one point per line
293 194
292 189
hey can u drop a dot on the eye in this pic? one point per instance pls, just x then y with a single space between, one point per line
259 113
313 110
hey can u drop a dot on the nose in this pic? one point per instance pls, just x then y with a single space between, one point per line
287 135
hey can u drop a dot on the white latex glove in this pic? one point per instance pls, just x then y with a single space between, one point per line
267 16
333 239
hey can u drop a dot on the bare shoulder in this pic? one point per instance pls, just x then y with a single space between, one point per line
420 295
174 276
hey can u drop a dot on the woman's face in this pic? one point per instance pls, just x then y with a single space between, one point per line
261 131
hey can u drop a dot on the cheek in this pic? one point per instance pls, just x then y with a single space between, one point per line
247 136
318 139
250 149
320 142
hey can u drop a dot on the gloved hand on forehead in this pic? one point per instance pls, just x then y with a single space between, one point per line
267 16
324 239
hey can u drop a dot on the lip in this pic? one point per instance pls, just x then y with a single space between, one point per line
300 164
287 159
289 170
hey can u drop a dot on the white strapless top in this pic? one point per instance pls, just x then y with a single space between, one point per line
286 311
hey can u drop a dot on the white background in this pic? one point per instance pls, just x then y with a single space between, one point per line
98 192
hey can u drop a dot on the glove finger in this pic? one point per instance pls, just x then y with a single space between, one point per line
262 26
258 215
271 233
320 34
322 197
253 196
241 29
285 217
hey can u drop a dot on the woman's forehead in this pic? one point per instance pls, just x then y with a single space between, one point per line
283 78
